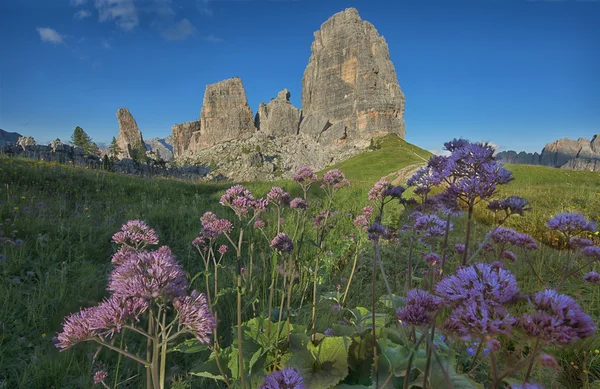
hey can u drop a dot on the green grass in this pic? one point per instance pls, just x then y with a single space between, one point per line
66 216
395 153
550 191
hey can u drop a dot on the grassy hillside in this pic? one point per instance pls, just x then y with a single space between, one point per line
392 154
63 219
551 191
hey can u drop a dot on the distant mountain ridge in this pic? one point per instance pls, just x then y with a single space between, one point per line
8 137
163 147
580 154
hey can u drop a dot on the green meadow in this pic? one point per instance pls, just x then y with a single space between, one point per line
57 222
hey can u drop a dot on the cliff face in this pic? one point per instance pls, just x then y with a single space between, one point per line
182 135
350 86
130 135
279 117
225 113
580 154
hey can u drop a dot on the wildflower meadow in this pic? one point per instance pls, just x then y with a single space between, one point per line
451 279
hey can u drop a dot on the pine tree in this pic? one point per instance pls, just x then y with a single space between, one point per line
114 149
81 139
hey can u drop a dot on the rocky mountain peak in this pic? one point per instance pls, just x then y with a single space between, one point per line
130 135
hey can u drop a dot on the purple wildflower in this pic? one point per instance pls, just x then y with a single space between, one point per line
525 386
329 332
431 225
580 243
305 176
506 236
432 259
368 211
548 360
136 234
278 196
478 294
320 218
239 199
334 179
591 251
199 241
100 376
377 231
222 249
121 255
570 224
212 226
558 319
512 205
459 248
592 277
76 329
149 275
419 306
258 223
282 243
195 315
115 312
287 378
424 180
298 203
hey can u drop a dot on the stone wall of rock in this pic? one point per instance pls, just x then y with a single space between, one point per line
184 137
580 154
279 117
225 114
350 88
162 148
130 135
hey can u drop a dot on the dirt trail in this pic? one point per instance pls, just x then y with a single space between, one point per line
400 176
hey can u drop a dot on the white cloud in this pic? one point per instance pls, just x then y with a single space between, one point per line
179 31
123 12
212 39
439 152
82 14
77 3
204 7
105 44
50 35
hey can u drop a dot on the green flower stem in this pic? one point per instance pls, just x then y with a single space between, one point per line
351 273
121 351
536 349
409 266
163 351
289 297
271 293
468 235
428 353
118 364
473 363
149 353
374 335
410 360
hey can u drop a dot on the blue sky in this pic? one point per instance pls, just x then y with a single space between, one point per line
516 73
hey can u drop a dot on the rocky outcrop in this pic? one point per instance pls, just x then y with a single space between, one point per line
130 136
162 148
511 156
184 137
8 138
592 165
257 156
225 114
279 117
26 141
580 154
350 90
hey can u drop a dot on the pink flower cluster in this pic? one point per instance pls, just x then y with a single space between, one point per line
239 199
136 234
305 176
298 203
379 191
364 219
334 179
212 226
278 196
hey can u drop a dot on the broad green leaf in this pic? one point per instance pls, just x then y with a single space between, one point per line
389 302
324 365
190 346
209 368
